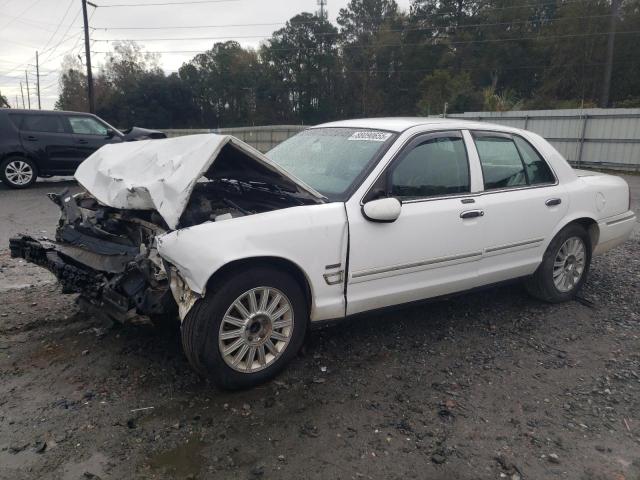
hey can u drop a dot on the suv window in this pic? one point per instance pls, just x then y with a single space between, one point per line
438 166
537 169
42 123
87 126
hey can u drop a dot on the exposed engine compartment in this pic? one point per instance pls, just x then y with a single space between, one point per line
109 255
106 240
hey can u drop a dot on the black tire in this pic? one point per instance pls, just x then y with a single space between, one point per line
541 284
201 326
6 167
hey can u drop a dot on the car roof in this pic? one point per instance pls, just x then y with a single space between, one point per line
400 124
34 111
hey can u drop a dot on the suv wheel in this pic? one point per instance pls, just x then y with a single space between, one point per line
18 172
247 329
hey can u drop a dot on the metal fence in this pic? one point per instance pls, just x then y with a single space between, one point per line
593 137
261 138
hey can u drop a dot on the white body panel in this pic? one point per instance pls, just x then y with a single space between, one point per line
311 237
429 250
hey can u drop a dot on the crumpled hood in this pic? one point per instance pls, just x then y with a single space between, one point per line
161 174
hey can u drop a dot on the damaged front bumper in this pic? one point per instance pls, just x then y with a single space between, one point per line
129 295
108 259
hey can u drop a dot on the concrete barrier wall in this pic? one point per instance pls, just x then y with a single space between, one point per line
262 138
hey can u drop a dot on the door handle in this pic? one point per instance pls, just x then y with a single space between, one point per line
83 142
31 138
471 214
552 202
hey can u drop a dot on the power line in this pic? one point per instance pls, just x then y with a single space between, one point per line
463 42
19 65
64 38
228 25
159 4
64 16
320 34
20 14
275 24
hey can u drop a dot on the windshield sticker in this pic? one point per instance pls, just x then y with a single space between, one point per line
370 136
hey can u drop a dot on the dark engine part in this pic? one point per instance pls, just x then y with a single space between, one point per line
117 296
73 278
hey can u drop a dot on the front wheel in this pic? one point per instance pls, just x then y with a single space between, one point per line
247 328
564 267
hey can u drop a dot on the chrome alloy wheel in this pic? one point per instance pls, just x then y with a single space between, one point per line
18 172
256 329
569 264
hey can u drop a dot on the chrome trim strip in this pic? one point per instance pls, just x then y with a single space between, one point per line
623 219
395 268
513 245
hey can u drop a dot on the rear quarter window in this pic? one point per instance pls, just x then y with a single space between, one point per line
42 123
537 168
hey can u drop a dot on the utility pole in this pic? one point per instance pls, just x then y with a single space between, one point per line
87 52
26 77
17 103
38 80
608 68
322 3
22 93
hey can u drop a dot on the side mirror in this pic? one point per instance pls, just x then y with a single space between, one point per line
110 133
384 210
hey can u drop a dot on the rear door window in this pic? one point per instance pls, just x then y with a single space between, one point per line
501 164
16 119
42 123
510 161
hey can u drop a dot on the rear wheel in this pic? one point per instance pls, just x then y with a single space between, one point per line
564 267
247 329
18 172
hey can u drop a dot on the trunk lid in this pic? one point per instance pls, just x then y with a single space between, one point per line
162 174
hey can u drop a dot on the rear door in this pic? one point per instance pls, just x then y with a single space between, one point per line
522 201
45 138
89 134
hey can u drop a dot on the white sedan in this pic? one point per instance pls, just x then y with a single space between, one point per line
343 218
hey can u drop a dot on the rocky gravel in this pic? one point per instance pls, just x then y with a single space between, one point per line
485 385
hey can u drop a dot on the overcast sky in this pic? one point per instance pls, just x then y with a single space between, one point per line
54 27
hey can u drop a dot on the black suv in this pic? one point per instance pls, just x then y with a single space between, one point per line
42 143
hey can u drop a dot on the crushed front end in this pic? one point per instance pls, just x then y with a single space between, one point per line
105 247
106 255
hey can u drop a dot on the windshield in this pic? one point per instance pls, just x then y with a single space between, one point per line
330 160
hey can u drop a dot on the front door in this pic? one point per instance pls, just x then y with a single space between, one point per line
434 246
89 135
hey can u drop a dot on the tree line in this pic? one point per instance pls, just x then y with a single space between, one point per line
453 55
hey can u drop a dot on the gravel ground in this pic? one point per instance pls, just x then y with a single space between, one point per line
486 385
